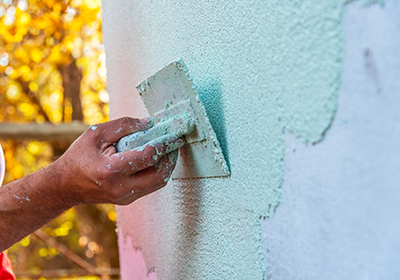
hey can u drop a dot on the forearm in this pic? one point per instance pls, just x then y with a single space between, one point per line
90 171
29 203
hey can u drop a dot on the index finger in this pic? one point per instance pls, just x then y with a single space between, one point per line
110 132
138 159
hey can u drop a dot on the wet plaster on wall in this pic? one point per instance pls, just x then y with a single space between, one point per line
261 67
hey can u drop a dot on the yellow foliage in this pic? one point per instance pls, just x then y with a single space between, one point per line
18 171
43 252
24 72
26 241
34 147
27 109
112 216
91 4
33 86
57 56
52 33
13 92
41 38
23 19
36 55
21 55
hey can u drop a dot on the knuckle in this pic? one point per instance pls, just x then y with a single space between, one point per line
116 192
95 127
89 132
149 154
126 120
113 195
105 174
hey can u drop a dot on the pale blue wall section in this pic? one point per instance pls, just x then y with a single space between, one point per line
339 215
260 66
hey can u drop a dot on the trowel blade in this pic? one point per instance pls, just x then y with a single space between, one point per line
202 157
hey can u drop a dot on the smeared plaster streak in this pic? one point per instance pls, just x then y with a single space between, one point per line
260 67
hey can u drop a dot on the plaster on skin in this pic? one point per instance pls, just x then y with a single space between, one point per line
260 68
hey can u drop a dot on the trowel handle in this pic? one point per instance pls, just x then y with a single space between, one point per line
178 125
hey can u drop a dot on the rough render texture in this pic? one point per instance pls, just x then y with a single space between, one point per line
262 68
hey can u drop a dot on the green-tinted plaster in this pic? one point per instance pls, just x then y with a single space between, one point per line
260 67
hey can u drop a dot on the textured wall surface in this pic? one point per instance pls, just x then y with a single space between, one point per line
338 218
262 68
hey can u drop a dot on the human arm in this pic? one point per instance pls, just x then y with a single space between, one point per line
90 171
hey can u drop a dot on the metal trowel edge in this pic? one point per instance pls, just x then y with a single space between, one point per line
169 92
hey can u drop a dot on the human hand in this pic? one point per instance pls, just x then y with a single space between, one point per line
93 172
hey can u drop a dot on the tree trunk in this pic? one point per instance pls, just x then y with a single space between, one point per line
71 81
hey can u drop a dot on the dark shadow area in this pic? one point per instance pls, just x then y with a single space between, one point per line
210 96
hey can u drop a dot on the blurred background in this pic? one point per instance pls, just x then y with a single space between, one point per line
52 86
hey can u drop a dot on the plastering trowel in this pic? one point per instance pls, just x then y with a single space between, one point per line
170 98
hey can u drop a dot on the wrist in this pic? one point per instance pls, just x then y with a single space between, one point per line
63 184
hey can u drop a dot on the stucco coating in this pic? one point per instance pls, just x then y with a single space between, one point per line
261 67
